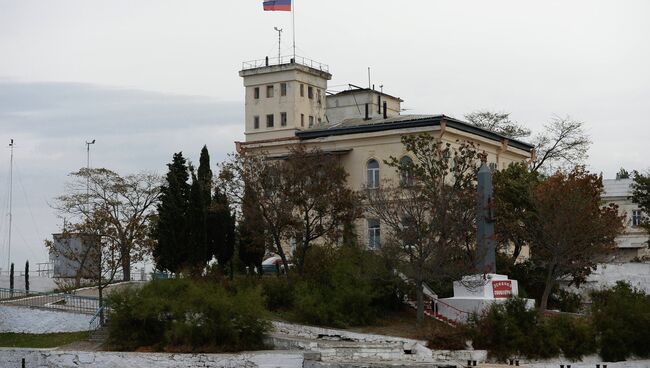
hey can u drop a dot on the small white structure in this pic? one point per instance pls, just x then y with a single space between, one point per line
474 294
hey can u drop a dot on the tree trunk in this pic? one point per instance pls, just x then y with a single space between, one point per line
420 300
548 286
283 257
126 266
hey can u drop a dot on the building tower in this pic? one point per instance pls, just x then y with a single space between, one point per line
283 98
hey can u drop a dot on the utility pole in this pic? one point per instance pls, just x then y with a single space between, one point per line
11 193
279 44
88 173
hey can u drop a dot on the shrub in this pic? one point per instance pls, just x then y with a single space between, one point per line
345 286
621 318
278 293
187 315
509 329
573 335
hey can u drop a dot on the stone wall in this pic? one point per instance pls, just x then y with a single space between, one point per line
38 321
35 358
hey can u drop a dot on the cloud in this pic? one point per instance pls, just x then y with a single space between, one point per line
134 130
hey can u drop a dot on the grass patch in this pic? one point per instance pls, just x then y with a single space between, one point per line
51 340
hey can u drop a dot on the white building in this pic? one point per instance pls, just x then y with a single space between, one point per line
633 243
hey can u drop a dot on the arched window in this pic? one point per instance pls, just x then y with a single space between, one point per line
373 174
374 235
405 171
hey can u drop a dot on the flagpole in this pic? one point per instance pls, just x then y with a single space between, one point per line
293 19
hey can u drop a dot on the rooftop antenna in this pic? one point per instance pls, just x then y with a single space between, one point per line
368 77
279 30
11 188
381 87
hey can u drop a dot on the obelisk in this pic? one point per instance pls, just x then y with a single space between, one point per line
486 248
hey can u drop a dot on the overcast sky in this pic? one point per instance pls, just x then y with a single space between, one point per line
148 78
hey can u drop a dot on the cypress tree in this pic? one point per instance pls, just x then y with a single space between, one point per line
251 245
27 275
171 230
204 175
221 230
198 254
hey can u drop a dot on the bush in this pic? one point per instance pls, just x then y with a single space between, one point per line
621 318
278 293
509 329
345 286
185 315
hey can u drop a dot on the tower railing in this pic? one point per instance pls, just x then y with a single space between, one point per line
270 61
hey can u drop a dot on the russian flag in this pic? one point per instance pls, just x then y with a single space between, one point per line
277 5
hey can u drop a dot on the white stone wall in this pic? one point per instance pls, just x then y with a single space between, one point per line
607 275
38 321
35 358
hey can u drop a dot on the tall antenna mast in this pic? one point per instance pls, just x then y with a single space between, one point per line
293 27
11 193
279 44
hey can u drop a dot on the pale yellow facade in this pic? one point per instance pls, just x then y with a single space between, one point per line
357 140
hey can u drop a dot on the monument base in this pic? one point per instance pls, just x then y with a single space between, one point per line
474 294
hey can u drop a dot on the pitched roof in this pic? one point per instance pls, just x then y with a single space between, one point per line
358 125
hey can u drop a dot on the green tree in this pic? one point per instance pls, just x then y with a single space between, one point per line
622 174
204 175
197 247
514 206
251 235
498 122
221 230
641 196
171 228
570 231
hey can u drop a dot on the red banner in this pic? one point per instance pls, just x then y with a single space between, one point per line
502 288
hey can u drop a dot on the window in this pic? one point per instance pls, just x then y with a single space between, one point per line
405 171
374 238
302 90
373 174
269 121
256 122
408 231
493 166
310 93
256 93
283 119
637 217
302 120
283 89
318 94
269 91
319 121
311 121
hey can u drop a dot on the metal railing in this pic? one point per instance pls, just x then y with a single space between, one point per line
98 319
269 61
58 301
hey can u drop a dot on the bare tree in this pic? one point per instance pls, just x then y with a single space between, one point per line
113 207
498 122
431 213
564 144
262 180
321 201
